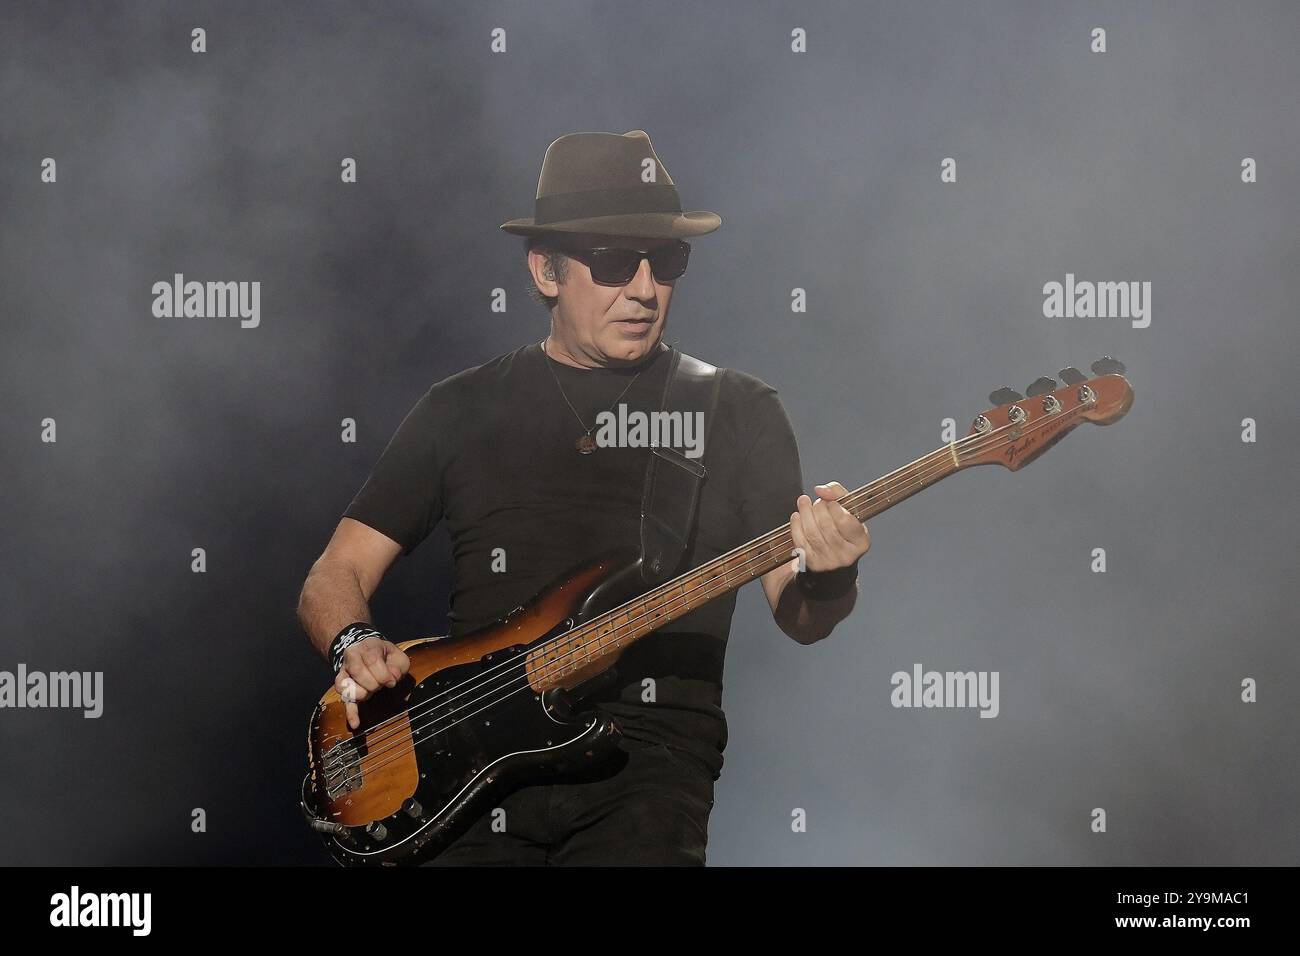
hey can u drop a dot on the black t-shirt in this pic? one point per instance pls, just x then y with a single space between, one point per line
491 451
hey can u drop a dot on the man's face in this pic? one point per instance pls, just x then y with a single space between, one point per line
607 324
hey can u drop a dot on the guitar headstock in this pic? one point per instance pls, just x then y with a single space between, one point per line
1021 428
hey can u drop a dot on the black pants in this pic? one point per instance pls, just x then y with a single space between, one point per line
649 806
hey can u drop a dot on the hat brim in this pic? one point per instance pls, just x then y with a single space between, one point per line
645 225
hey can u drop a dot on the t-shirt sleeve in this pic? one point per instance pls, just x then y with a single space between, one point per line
772 478
402 497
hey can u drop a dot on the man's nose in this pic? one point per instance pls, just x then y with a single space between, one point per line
642 285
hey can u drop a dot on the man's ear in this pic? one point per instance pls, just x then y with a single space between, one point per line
543 277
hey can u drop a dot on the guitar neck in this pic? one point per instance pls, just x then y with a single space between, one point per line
614 630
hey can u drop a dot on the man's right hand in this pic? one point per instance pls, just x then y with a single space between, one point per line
367 666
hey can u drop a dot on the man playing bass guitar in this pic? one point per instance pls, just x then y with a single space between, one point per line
512 455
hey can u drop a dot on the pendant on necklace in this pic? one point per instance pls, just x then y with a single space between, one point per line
586 444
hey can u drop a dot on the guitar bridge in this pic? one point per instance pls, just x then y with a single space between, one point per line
341 769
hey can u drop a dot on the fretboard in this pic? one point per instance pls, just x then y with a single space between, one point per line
614 630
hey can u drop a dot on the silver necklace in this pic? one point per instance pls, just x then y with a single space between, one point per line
585 443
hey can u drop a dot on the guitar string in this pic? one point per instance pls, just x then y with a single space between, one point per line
924 474
926 471
399 739
921 475
923 464
893 476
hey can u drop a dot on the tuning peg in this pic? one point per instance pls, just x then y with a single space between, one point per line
1106 365
1041 386
1072 376
1005 396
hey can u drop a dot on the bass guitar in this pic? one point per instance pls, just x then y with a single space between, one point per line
480 715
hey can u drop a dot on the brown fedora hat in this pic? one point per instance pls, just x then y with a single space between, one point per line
591 182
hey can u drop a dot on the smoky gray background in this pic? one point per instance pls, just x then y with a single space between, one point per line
1118 690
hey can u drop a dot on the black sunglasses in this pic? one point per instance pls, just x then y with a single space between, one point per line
613 265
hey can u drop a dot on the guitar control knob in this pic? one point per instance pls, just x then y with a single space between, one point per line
377 831
412 808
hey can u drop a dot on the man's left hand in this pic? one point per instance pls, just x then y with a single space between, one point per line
829 536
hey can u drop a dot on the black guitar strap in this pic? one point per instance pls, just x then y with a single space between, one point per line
672 480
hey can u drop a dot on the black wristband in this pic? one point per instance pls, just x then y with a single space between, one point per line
352 634
828 585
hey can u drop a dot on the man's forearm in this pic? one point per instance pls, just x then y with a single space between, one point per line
331 599
807 618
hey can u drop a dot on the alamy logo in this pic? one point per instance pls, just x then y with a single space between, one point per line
56 689
102 909
210 300
946 689
1101 300
652 429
